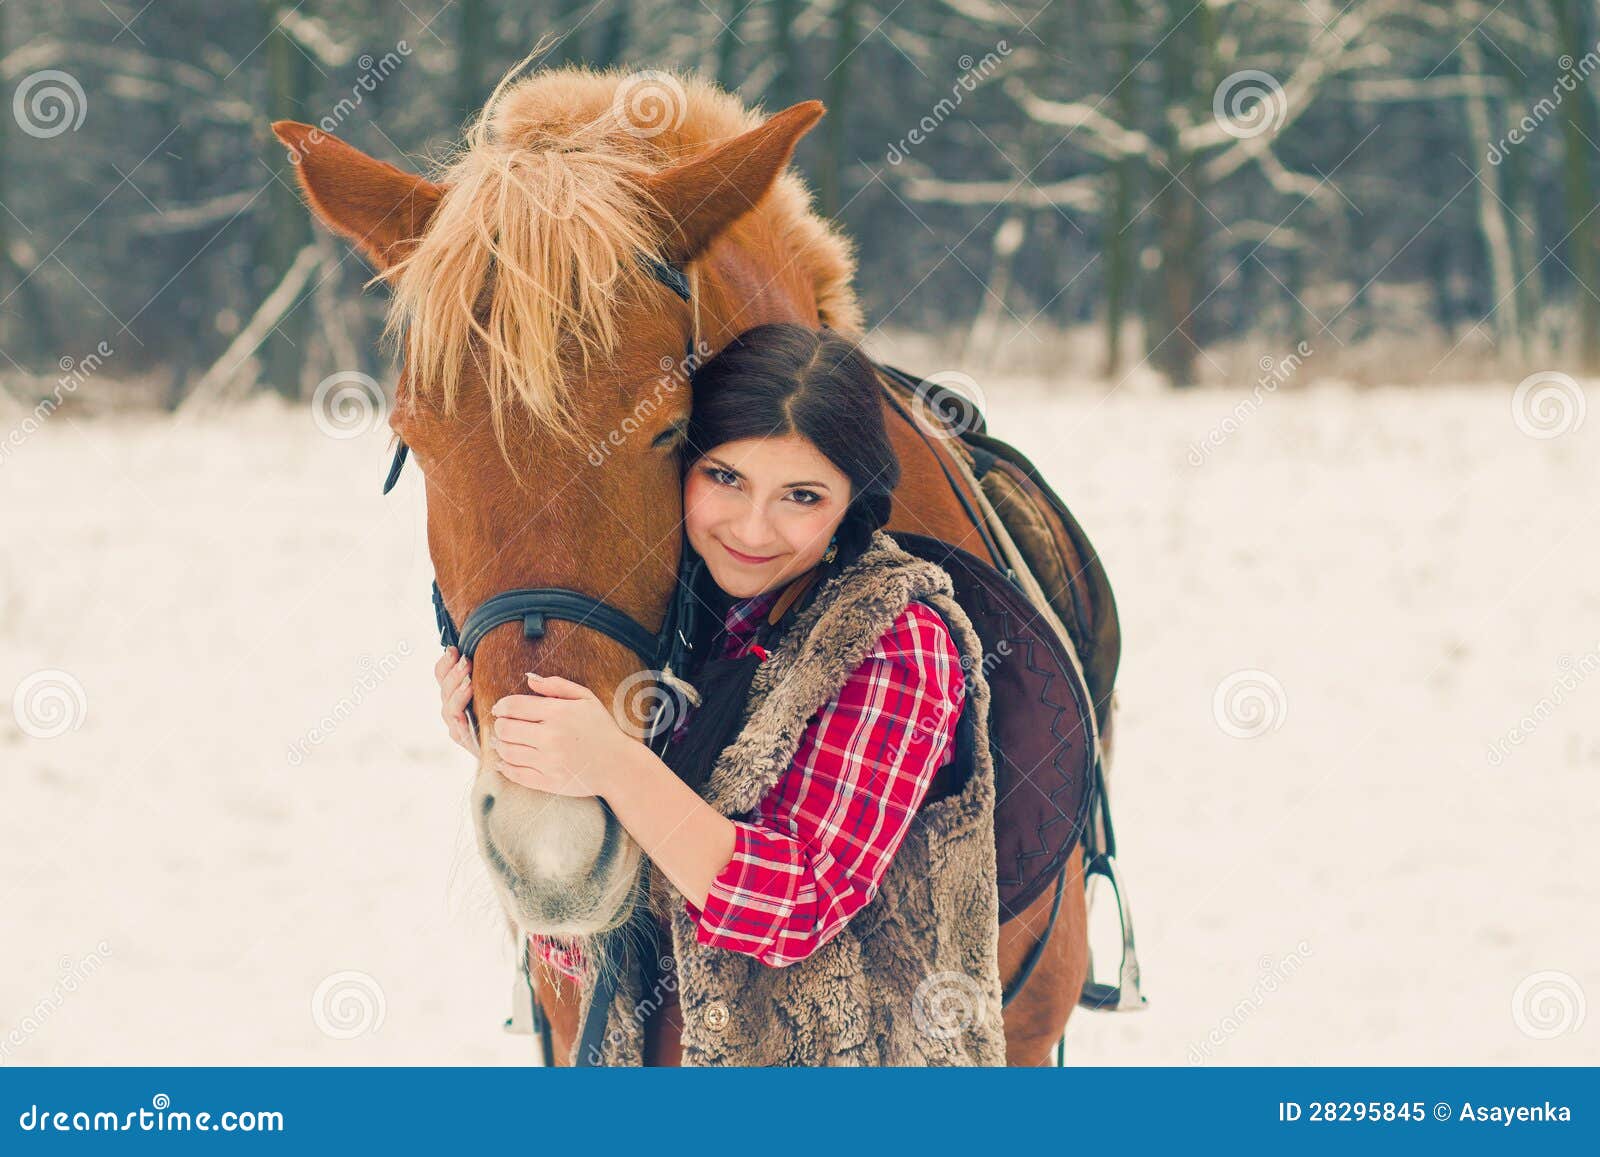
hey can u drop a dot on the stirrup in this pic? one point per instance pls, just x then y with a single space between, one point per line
1124 996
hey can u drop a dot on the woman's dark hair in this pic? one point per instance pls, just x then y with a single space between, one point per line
783 378
770 381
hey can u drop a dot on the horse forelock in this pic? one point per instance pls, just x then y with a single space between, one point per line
542 207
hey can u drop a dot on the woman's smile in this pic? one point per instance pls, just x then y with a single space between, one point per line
747 559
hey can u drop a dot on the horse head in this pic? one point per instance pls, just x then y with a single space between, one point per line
543 389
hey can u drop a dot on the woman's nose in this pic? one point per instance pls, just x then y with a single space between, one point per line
752 526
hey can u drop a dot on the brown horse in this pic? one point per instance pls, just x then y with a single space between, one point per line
544 395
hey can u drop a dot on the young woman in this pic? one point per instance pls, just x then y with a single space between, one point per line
788 475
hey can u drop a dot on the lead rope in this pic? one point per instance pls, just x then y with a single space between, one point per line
679 685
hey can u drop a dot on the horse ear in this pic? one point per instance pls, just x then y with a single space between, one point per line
375 205
702 197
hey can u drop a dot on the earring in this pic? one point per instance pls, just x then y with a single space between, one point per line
833 549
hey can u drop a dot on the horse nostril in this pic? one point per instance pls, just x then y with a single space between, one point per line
488 804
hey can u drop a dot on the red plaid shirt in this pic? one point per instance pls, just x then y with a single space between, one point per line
813 852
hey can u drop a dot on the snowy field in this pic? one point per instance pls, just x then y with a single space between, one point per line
1357 782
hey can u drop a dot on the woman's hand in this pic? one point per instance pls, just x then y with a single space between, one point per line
454 672
560 739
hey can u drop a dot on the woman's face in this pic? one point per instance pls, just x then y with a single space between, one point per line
760 511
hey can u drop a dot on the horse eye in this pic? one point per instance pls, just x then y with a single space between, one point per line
668 436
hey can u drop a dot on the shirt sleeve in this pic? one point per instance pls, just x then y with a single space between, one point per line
842 809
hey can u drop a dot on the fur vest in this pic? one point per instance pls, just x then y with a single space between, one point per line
913 978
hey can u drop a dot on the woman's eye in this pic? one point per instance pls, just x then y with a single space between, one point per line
807 497
718 474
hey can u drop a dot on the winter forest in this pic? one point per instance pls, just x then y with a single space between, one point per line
1407 188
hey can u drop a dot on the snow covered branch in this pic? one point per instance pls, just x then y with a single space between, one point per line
1103 135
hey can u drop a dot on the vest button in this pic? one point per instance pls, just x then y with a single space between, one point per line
715 1016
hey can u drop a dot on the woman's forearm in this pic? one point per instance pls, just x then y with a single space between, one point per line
687 838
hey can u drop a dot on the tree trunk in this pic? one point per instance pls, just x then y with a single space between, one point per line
615 32
1492 224
1524 211
1186 68
984 331
728 44
1120 242
1578 185
287 229
834 161
786 84
15 281
471 33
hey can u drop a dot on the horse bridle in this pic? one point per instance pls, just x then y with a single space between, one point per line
664 652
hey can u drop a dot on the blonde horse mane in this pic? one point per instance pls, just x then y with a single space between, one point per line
534 243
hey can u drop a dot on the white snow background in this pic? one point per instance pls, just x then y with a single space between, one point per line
1359 883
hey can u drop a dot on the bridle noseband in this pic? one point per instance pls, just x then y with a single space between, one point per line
664 652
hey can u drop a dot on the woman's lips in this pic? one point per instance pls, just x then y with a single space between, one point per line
747 558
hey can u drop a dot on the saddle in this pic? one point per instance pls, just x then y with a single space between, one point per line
1011 504
1042 605
1041 727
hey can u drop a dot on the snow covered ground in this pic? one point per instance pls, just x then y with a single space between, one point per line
1356 788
